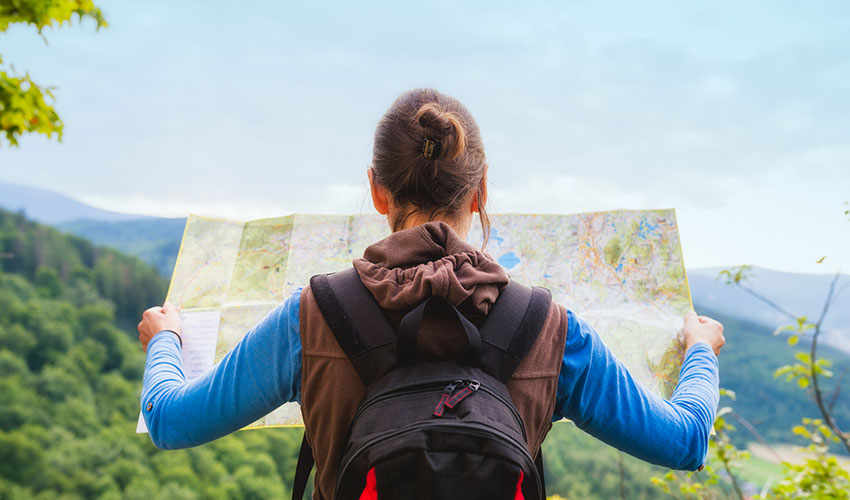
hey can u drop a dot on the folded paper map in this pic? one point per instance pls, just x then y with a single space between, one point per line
622 271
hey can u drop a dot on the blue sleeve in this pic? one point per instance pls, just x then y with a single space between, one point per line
262 372
597 393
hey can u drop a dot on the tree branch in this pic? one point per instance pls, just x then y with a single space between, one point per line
827 415
734 480
767 301
841 290
838 388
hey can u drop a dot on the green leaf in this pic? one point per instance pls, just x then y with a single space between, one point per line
728 393
783 328
736 275
800 431
803 382
26 107
793 339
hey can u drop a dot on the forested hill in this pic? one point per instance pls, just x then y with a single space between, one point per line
64 266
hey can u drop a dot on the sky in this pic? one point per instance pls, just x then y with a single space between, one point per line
736 114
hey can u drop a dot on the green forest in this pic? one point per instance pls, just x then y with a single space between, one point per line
70 378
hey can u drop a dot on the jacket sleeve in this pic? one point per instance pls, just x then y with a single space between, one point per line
597 393
262 372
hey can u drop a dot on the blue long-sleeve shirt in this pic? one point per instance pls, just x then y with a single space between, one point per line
594 390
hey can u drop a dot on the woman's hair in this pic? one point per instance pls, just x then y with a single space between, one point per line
428 153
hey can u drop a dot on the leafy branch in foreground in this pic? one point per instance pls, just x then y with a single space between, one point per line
26 107
48 13
819 476
808 370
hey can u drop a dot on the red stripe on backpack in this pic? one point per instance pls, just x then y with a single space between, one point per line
370 492
518 494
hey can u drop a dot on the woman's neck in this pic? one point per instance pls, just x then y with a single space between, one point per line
460 227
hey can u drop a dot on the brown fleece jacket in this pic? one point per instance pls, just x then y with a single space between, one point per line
400 271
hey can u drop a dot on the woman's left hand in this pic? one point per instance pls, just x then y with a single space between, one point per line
157 319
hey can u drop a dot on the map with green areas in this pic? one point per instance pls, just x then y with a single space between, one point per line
621 271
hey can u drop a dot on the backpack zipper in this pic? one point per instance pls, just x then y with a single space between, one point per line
451 386
484 431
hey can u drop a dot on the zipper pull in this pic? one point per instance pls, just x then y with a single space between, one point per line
470 386
444 398
450 389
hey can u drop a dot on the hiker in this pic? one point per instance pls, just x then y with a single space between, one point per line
428 176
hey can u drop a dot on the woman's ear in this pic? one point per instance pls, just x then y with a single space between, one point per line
380 198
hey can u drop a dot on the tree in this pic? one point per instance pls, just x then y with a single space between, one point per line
26 107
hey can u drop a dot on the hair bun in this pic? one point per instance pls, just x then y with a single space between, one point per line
444 127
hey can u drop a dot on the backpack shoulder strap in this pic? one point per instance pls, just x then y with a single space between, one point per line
303 469
511 328
357 322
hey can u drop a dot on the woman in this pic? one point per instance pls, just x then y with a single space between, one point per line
428 176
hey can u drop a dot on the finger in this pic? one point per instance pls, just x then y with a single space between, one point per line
705 320
690 317
170 308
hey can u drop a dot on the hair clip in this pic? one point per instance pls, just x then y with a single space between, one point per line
429 148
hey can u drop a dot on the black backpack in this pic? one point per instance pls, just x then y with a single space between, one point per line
432 429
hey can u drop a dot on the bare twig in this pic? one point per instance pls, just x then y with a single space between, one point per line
827 415
838 388
841 290
767 301
734 481
747 425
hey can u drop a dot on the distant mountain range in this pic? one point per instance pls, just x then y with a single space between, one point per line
54 208
156 240
153 239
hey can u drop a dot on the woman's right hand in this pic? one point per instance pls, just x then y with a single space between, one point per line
157 319
703 329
